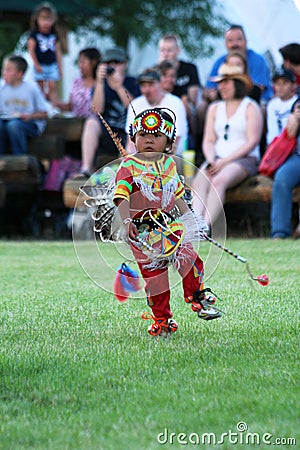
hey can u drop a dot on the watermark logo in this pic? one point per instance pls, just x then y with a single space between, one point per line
240 436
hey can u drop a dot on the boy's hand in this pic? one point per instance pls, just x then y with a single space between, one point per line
25 117
131 231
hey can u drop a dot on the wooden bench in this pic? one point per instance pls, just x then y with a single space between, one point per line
71 187
20 181
60 135
256 189
21 177
252 190
247 205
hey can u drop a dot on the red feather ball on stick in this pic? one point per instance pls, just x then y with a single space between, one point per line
263 280
126 281
120 293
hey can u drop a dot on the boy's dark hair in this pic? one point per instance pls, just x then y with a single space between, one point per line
291 53
20 62
93 55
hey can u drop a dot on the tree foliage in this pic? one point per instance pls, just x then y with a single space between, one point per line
195 22
10 33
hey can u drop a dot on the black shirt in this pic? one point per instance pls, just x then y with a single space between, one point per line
187 76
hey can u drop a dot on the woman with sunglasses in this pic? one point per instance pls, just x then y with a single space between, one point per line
231 140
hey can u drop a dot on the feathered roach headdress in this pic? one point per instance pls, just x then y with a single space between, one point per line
155 120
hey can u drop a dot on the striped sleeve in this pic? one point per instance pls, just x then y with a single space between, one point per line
123 187
180 189
172 169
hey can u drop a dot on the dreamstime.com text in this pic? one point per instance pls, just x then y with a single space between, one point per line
239 437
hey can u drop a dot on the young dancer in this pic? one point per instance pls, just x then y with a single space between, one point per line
148 190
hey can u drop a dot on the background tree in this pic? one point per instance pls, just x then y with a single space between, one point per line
196 22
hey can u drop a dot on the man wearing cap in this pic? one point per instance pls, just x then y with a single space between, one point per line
291 61
280 106
152 96
114 91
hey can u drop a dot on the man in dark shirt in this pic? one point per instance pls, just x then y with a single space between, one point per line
187 85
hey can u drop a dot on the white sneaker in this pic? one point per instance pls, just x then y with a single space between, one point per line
209 314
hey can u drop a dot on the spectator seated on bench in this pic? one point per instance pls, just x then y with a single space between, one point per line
22 105
231 142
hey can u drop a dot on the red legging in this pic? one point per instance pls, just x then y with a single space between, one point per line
157 281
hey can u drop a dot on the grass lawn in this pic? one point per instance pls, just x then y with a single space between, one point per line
80 372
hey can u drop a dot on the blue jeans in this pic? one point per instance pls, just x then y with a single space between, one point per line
286 178
17 131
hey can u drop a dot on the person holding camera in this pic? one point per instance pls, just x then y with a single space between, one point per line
113 92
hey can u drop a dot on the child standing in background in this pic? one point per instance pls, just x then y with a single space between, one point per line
44 49
280 106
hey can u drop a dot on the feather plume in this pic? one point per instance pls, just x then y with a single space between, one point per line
117 141
126 281
107 222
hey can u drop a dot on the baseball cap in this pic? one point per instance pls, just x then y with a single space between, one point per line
149 75
114 54
284 73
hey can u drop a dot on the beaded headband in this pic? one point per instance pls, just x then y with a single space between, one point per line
151 121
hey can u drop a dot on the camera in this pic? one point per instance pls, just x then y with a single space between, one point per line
110 70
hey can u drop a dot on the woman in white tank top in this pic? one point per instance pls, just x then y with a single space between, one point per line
232 133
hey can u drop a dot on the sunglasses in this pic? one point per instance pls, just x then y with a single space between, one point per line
226 131
279 124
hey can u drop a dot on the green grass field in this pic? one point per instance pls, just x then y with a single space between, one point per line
80 372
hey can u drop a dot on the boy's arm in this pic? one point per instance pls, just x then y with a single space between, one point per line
181 205
123 207
37 115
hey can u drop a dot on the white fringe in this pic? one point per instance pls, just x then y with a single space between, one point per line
168 191
195 229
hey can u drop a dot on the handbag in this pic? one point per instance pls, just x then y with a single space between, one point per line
59 171
277 152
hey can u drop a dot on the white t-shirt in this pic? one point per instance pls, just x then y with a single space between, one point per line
278 112
170 101
24 98
232 133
